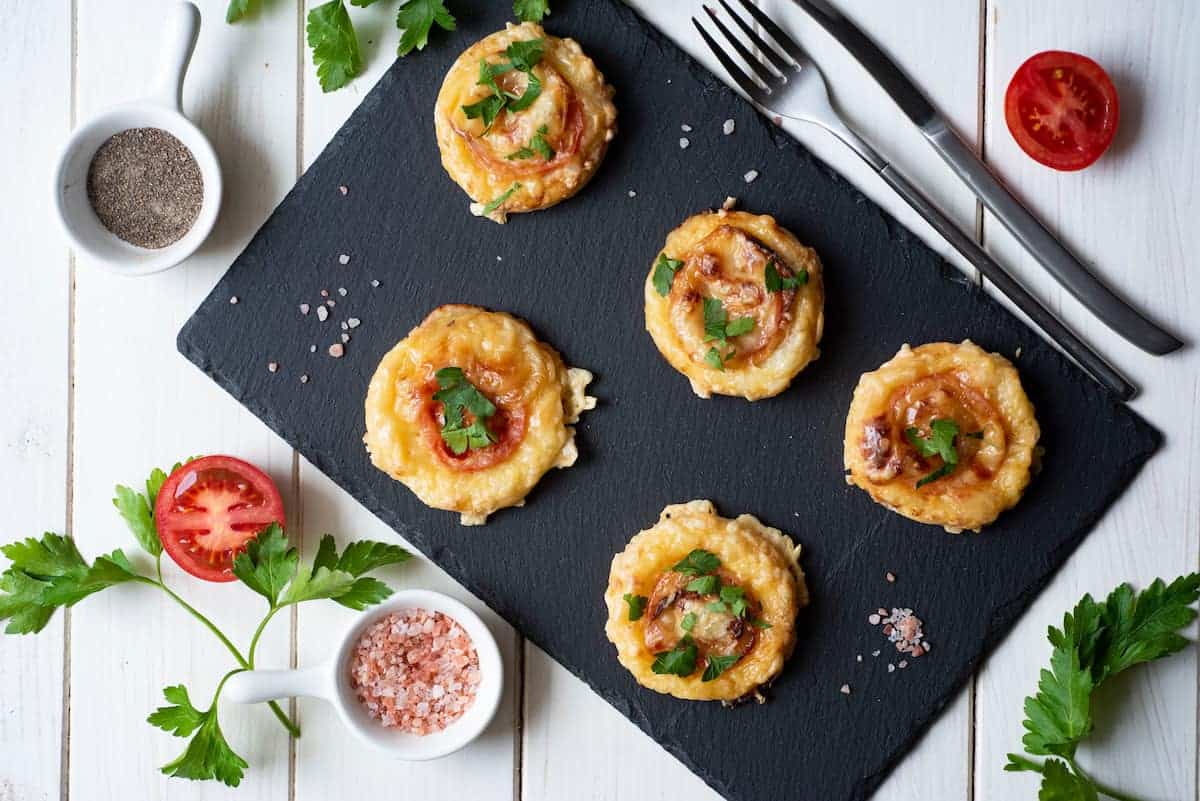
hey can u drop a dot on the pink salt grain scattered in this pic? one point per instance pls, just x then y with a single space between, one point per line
415 670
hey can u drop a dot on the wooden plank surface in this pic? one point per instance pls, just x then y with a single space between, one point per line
35 376
137 404
1132 218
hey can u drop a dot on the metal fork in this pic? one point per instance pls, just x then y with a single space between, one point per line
788 83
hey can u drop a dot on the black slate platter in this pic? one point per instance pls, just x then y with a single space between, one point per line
575 273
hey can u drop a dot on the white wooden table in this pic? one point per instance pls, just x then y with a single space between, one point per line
96 394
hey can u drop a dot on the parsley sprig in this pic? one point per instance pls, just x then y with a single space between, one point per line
50 573
942 441
664 273
458 395
1096 642
522 56
531 10
538 146
720 329
776 282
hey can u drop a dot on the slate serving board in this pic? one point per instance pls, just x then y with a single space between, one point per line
575 273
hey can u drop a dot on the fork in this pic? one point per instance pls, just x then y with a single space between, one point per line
787 83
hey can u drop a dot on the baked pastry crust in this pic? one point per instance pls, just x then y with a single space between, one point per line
997 445
537 397
724 255
575 106
762 560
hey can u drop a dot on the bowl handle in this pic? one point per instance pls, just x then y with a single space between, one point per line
256 686
178 41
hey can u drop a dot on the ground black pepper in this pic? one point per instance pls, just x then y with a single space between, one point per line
145 186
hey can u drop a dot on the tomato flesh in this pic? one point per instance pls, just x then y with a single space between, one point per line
1062 109
209 508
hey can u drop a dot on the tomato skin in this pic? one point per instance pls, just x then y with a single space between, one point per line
209 508
1062 109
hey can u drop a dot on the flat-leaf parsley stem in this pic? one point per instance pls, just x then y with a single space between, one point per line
246 664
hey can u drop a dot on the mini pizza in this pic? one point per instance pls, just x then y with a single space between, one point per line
736 304
704 608
523 120
942 434
470 410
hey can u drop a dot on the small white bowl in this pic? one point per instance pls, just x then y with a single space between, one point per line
163 108
331 682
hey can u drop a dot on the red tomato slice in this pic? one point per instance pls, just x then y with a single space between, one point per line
209 508
1062 109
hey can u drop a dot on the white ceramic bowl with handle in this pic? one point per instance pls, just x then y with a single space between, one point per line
331 682
162 108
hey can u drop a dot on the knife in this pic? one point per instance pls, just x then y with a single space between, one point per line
1041 244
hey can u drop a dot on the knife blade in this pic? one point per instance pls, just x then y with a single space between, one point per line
1105 304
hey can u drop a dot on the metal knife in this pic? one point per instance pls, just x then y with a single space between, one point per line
1041 244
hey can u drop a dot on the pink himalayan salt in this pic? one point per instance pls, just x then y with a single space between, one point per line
416 670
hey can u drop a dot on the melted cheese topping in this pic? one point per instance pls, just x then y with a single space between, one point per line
575 108
724 255
762 560
537 399
998 433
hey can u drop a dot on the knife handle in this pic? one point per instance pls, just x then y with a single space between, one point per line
1043 246
1091 361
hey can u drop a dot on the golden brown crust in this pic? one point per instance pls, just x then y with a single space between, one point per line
724 254
575 106
537 397
764 562
982 393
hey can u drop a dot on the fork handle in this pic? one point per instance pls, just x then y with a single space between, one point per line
1091 361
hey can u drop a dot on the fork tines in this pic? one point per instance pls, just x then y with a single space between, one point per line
783 57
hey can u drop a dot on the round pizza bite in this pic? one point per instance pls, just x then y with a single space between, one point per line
470 410
942 434
736 304
704 608
523 120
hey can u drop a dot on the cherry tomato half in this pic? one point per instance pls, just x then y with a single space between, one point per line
1062 109
209 508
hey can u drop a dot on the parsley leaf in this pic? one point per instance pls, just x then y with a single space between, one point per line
497 202
942 433
458 395
311 584
360 557
537 146
1059 716
719 328
531 10
735 599
688 622
135 508
637 605
236 10
697 563
267 564
705 585
21 603
416 18
487 109
526 54
1060 784
334 45
759 623
778 283
718 664
208 755
664 273
679 661
1144 626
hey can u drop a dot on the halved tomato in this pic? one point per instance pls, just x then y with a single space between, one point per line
209 508
1062 109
